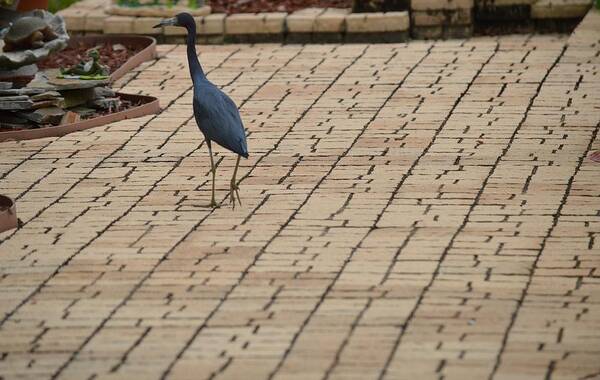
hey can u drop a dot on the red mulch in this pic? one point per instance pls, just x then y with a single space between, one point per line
72 56
253 6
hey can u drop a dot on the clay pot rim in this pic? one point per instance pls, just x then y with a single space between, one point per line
8 214
6 202
149 106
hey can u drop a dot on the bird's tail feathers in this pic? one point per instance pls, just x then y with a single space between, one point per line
244 148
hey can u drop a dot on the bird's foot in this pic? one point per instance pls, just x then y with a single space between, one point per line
234 193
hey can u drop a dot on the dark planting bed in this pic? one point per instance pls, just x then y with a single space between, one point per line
111 55
137 49
253 6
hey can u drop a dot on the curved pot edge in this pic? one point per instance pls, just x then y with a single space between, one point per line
8 217
147 53
150 106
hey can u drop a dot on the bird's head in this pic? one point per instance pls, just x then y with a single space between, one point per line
182 19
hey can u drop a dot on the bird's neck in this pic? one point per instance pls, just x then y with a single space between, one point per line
196 71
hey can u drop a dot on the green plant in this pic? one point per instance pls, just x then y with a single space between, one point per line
57 5
129 3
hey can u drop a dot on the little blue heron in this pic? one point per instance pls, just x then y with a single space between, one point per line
216 114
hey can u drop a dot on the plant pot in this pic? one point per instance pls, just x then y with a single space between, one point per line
29 5
8 213
148 105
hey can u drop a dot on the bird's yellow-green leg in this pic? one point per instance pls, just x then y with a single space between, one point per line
213 169
235 190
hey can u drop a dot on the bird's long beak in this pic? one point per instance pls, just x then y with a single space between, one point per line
166 22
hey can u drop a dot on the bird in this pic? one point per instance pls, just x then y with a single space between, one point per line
216 114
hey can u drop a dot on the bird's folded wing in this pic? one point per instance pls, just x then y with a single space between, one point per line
219 119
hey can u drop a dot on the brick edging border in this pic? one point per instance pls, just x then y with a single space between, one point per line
427 19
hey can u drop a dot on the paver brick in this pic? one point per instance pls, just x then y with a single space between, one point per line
94 20
212 24
145 25
300 23
433 18
560 8
75 18
118 24
377 22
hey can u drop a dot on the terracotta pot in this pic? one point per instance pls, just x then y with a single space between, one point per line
29 5
148 105
8 213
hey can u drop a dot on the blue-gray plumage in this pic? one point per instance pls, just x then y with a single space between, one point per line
216 114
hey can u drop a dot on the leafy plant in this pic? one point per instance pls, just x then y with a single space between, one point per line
57 5
129 3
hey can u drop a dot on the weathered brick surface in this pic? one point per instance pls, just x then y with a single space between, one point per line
433 18
377 22
75 18
118 25
259 23
145 25
411 211
557 9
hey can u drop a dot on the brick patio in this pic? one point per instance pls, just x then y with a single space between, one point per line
411 211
